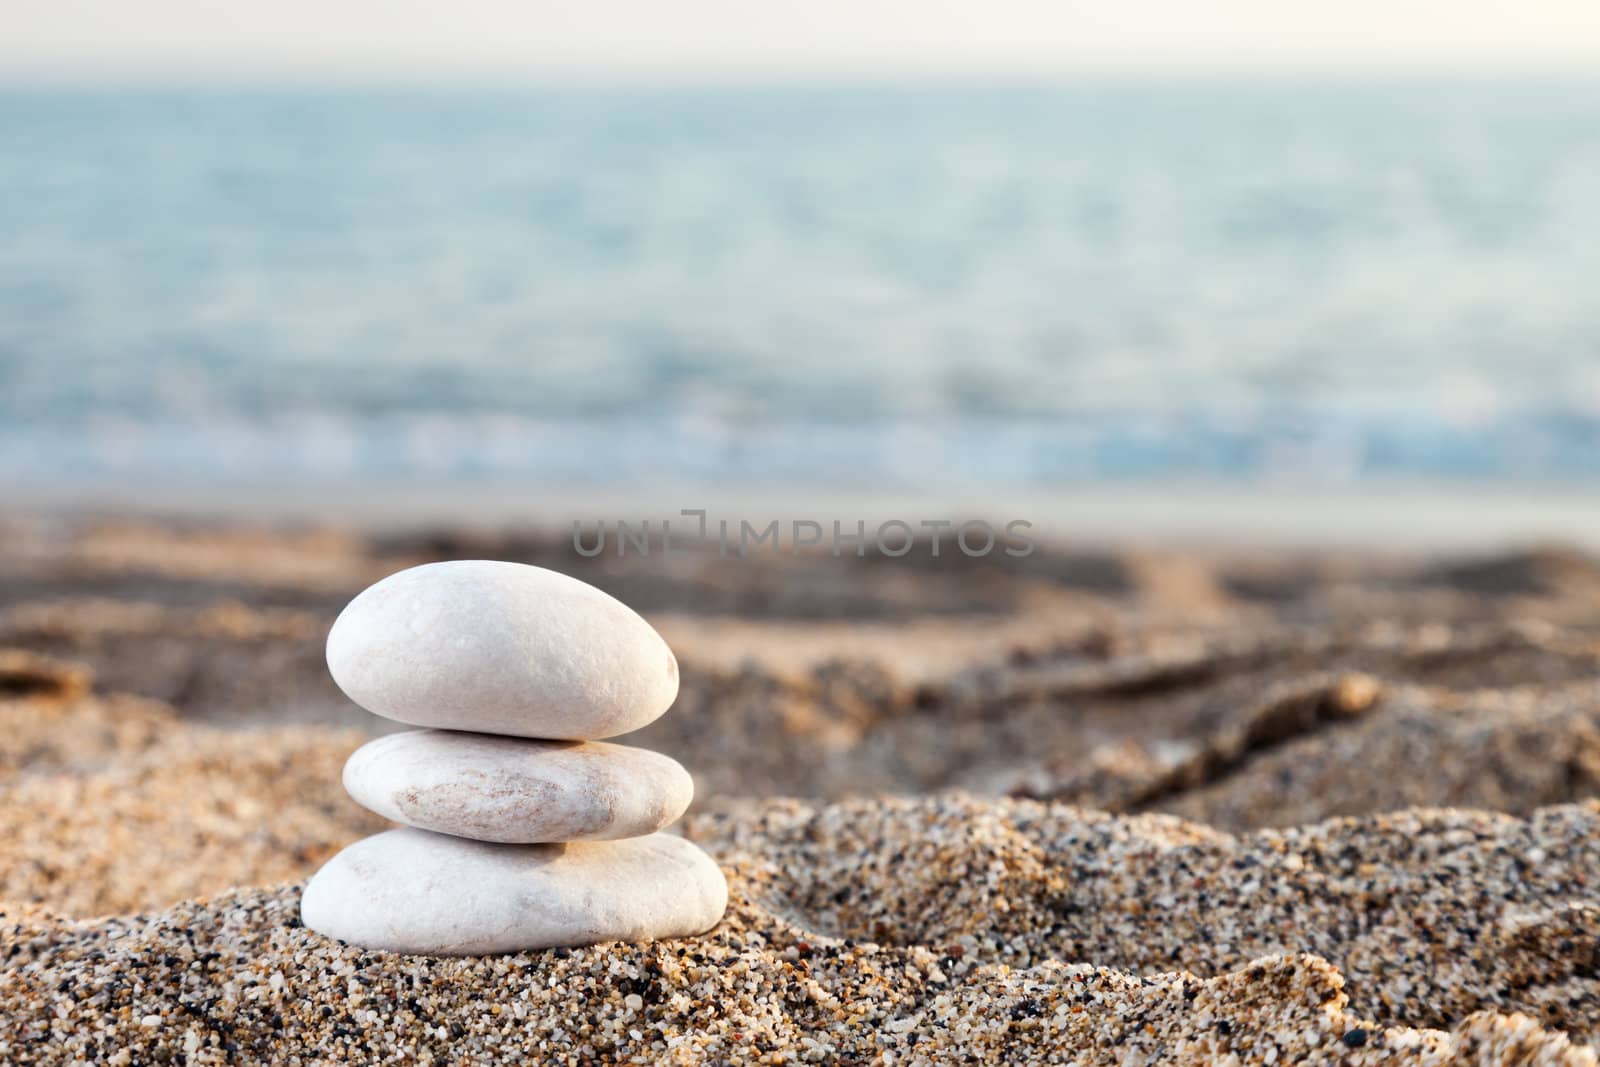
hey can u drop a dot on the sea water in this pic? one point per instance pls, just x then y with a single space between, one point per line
1019 286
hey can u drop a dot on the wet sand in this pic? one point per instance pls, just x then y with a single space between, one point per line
1095 805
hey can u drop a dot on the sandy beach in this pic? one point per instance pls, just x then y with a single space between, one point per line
1094 805
843 534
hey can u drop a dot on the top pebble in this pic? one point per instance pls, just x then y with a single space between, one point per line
501 648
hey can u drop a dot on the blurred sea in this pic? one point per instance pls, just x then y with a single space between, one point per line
1014 287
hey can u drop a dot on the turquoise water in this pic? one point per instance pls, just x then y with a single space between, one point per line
912 287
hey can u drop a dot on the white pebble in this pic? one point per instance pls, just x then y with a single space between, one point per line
501 648
413 891
517 791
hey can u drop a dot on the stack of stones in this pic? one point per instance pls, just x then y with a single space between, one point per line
521 829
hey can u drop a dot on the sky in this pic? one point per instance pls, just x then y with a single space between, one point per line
712 40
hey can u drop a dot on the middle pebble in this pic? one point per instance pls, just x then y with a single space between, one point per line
515 790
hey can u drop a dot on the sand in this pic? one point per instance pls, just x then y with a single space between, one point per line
1094 807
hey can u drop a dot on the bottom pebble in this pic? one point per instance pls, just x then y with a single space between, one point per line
418 892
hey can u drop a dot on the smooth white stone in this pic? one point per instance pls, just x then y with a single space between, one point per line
501 648
417 892
515 790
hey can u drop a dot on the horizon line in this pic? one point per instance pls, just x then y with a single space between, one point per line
665 80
